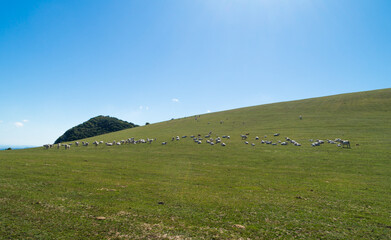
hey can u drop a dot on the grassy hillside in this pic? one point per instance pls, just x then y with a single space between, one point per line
187 190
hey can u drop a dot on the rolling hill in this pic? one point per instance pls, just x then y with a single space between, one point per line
186 190
93 127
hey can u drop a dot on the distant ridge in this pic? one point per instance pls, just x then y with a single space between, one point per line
93 127
15 147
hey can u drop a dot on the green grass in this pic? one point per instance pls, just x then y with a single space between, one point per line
272 191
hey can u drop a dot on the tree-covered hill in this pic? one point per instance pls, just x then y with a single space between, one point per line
93 127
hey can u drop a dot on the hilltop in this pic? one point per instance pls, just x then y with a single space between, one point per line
186 190
94 127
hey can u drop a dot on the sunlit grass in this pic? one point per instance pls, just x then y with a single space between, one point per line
188 190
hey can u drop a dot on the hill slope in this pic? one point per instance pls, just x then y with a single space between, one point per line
93 127
353 116
187 190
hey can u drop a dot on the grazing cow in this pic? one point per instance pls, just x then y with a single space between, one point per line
77 144
256 138
276 134
284 143
47 146
345 143
223 144
109 144
164 143
243 137
253 144
319 141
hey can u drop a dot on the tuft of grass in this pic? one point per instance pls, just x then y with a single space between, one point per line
185 190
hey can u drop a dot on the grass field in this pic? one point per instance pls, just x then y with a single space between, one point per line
185 190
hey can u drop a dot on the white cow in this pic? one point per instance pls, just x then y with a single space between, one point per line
345 143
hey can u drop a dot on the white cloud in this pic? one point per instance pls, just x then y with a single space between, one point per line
18 124
143 107
175 100
25 121
208 111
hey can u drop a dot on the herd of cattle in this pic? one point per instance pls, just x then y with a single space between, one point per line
199 139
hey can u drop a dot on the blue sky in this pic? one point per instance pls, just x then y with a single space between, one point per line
63 62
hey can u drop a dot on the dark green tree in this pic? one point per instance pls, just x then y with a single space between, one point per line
93 127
